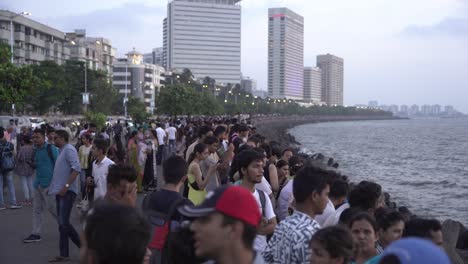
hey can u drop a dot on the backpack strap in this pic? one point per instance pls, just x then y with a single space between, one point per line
262 196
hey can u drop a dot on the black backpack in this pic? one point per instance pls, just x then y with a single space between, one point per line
7 158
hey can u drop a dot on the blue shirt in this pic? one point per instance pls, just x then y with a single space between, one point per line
67 162
44 165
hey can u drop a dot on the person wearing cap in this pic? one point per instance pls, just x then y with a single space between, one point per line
291 239
225 226
413 251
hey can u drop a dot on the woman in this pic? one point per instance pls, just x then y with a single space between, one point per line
195 180
180 142
84 153
25 168
364 230
391 225
282 168
332 245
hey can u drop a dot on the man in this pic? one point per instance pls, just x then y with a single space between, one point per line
225 226
91 129
44 161
171 135
367 196
338 194
50 131
212 160
121 185
100 168
161 135
64 187
203 132
6 152
291 240
175 175
251 171
115 234
430 229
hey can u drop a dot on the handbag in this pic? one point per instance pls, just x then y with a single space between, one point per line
84 204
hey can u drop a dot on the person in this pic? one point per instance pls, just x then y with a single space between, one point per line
225 225
101 166
161 135
121 185
291 239
90 129
285 201
414 251
367 196
86 163
196 181
45 156
203 132
425 228
338 193
115 234
180 142
64 187
211 160
332 245
282 170
175 174
250 164
143 151
364 230
287 154
6 151
391 225
171 138
25 168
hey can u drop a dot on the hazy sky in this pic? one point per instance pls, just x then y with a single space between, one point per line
395 51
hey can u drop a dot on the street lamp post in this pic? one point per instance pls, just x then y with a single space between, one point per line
126 92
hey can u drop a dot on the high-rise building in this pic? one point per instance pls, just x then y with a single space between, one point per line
248 85
97 52
33 42
312 84
332 78
155 57
285 54
373 104
414 110
205 37
134 77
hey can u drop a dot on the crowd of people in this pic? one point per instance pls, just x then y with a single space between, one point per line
215 191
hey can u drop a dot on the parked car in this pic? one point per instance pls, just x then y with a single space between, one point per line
23 121
5 121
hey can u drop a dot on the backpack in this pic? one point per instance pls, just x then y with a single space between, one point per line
161 226
7 158
49 153
262 196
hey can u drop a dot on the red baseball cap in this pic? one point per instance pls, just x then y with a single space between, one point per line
234 201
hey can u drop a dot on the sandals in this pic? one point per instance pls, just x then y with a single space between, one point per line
59 259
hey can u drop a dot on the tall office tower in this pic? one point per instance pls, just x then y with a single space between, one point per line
205 37
332 78
285 54
312 84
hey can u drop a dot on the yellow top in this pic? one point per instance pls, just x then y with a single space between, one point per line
196 197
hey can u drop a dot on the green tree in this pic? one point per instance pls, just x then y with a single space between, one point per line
137 109
97 118
103 96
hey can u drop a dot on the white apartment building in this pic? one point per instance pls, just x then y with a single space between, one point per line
312 84
332 78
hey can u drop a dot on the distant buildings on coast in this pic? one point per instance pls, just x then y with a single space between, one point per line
416 110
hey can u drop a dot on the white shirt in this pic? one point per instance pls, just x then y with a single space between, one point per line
260 241
171 131
329 210
284 200
161 135
100 172
264 186
334 218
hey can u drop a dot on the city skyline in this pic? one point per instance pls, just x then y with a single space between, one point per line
395 51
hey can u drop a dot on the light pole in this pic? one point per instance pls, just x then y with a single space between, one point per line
126 92
12 29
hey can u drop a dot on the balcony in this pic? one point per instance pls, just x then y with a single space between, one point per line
19 36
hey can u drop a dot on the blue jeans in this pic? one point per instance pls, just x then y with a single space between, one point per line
64 208
172 147
11 188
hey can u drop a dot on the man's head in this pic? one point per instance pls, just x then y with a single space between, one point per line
61 138
114 234
243 131
425 228
332 245
38 137
121 184
367 196
287 154
212 143
390 224
311 188
175 170
92 128
50 133
220 132
338 192
99 147
204 131
250 164
226 220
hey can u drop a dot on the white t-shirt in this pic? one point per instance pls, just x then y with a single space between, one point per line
329 210
260 241
100 172
334 218
171 131
264 186
161 135
284 200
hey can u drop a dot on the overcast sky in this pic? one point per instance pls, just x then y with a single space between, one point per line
395 51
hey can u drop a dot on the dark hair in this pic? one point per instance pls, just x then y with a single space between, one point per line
27 139
249 234
243 128
309 179
101 144
338 189
348 214
386 218
336 240
365 195
203 130
420 227
92 125
179 134
389 259
116 233
281 163
63 134
199 148
285 150
38 131
295 164
88 137
255 139
246 157
121 172
366 217
174 169
2 130
267 149
219 130
210 140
